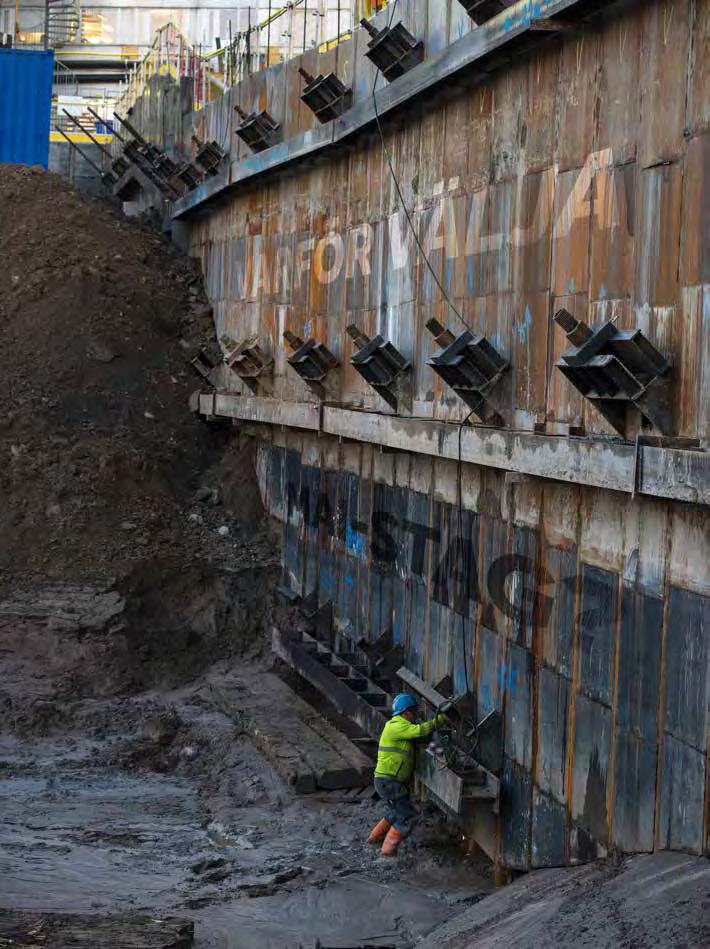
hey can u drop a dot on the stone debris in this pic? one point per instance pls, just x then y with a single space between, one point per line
65 931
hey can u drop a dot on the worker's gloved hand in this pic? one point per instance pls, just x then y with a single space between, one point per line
439 720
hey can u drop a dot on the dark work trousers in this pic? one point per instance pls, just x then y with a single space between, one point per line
400 813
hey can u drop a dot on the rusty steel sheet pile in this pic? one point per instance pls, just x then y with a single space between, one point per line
570 175
537 190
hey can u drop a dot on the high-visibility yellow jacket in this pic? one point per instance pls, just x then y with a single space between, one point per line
395 755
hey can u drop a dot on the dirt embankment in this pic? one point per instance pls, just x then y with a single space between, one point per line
134 550
100 459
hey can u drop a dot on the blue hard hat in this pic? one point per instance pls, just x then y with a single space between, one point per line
402 702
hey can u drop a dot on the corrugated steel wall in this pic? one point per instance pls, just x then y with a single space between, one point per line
582 616
25 105
577 177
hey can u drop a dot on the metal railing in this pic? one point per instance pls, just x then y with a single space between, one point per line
289 30
59 25
99 121
171 54
65 78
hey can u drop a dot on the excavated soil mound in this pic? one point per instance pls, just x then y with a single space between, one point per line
98 450
100 457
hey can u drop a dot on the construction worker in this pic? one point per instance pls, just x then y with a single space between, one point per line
395 765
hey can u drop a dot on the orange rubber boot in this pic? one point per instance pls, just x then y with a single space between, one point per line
379 832
392 841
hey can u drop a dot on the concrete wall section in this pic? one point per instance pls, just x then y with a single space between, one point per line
67 162
550 604
164 116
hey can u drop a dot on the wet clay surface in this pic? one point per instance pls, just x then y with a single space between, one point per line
640 902
124 788
156 804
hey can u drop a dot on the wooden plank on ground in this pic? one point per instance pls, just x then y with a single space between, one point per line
305 749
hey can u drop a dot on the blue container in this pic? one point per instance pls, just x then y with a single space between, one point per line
25 105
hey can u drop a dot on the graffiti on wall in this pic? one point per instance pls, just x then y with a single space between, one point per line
513 582
601 683
458 227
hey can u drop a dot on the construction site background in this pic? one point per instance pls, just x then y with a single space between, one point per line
424 407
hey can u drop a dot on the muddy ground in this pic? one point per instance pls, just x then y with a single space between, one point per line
138 796
138 577
129 801
660 899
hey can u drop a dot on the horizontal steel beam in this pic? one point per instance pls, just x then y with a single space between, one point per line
430 695
605 463
521 23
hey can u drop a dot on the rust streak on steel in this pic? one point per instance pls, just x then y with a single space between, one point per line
614 656
574 687
660 736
